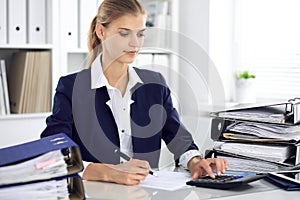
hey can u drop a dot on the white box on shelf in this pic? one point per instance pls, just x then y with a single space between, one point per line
69 24
36 16
16 22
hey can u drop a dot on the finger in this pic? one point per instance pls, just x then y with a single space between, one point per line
141 163
196 173
135 167
226 163
219 163
137 170
131 182
133 179
207 167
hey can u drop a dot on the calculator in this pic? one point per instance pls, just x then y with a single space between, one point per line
224 181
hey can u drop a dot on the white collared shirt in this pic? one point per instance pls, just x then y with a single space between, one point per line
120 107
118 104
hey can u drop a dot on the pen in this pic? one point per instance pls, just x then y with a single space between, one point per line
127 158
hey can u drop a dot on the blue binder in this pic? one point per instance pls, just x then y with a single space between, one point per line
284 182
26 151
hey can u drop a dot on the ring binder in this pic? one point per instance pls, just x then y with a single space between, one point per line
23 154
279 113
263 126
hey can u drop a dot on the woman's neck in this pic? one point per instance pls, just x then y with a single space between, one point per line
116 74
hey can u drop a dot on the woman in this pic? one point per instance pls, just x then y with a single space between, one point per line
114 107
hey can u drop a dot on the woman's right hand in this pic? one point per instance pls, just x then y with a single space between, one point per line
128 173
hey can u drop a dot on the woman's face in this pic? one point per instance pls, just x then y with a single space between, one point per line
123 37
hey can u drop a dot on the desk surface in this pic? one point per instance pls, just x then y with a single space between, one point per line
256 190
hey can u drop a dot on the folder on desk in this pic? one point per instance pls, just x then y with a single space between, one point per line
279 113
53 160
16 22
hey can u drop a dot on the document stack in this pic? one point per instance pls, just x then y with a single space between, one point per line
263 138
42 169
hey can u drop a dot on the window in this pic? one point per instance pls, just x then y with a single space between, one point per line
266 41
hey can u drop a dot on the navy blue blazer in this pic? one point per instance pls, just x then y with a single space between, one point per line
82 113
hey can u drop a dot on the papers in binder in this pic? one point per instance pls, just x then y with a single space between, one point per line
258 166
269 152
46 166
42 161
247 138
54 189
254 116
239 162
261 130
282 113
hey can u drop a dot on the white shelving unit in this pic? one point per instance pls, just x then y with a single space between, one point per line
19 128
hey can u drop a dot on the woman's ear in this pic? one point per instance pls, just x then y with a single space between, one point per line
100 31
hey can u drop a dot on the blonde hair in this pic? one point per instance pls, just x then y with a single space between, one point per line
108 11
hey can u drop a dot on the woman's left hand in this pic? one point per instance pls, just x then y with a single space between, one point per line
200 167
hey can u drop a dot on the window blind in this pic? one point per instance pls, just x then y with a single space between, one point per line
267 43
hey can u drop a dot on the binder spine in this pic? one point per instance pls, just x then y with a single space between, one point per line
3 21
16 22
36 20
218 127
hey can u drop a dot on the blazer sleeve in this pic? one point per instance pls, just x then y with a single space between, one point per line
61 119
175 135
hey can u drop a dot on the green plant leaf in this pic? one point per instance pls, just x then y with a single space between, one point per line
244 75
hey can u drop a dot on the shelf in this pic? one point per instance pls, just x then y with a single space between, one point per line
27 46
154 51
79 51
24 116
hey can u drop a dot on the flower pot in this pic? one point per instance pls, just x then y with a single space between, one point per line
245 90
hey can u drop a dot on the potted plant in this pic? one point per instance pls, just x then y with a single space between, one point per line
245 87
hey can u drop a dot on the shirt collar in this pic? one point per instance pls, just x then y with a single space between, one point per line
98 79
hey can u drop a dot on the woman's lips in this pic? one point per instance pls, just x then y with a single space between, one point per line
131 52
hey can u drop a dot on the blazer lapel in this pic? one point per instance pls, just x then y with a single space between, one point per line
105 116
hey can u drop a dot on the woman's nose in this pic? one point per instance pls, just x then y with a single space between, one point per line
134 41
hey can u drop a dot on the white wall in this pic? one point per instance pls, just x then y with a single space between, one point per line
207 31
221 42
193 48
193 67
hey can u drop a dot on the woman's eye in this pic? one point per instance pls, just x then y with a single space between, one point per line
123 34
141 34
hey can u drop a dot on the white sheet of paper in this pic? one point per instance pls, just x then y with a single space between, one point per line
167 180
